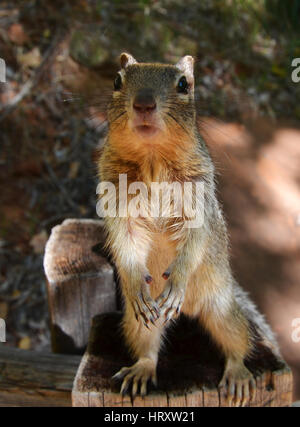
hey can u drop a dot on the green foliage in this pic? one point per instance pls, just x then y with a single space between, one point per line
284 14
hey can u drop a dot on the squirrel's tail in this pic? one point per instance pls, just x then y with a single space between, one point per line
257 320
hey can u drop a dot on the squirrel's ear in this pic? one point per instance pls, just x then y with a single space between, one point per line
186 65
126 59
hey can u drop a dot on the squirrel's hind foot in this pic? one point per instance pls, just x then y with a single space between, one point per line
239 383
138 376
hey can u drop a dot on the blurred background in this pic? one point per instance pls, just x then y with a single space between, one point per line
61 59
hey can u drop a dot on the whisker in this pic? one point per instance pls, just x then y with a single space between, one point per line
114 119
176 121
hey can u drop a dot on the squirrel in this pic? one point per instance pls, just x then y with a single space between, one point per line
166 268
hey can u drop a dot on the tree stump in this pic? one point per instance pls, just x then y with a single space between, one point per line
80 282
189 369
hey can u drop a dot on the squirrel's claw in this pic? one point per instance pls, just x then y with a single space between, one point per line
145 307
240 386
170 301
138 375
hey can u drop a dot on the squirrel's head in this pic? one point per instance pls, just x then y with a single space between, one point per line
152 102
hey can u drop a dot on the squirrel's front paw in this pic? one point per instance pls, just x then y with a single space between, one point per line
171 299
138 375
145 308
239 383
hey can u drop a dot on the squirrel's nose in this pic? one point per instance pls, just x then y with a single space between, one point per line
144 101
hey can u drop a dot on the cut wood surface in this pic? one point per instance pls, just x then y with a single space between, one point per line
80 282
189 369
29 378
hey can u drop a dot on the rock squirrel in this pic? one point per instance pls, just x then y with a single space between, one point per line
164 266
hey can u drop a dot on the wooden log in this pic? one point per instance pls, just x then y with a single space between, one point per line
189 369
29 378
80 282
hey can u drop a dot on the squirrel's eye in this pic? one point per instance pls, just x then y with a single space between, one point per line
182 86
118 82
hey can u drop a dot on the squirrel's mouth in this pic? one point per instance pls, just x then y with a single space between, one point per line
146 130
